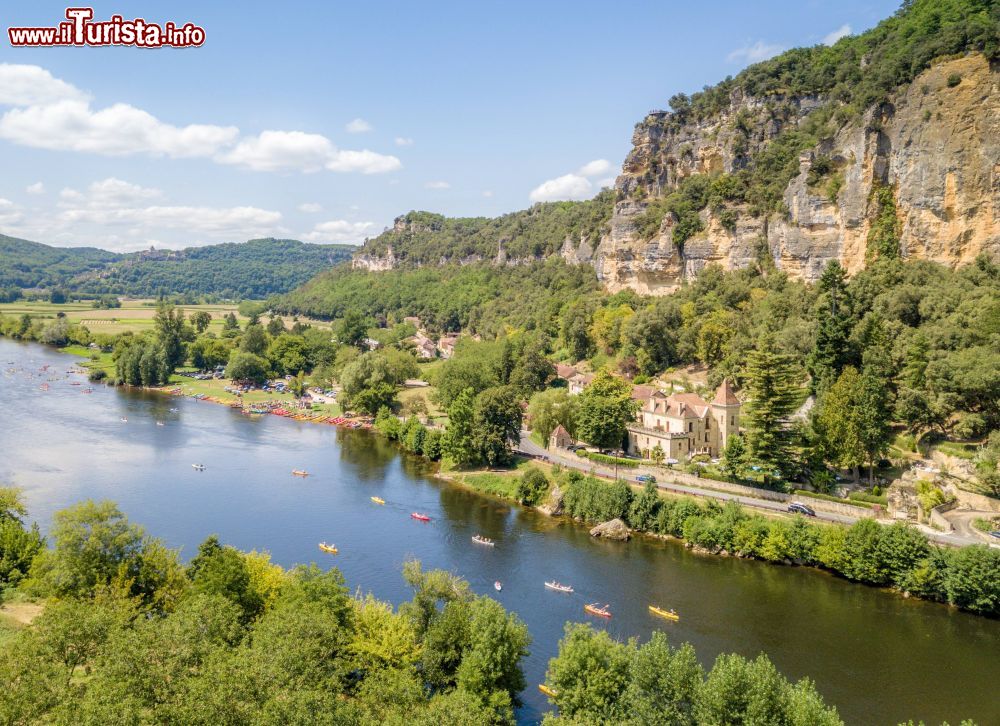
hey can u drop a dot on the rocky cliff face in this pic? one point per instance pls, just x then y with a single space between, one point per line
936 147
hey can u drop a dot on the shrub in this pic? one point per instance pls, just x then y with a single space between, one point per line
953 80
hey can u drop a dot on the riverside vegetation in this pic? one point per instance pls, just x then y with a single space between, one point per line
129 634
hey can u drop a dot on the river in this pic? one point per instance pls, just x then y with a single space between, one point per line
878 657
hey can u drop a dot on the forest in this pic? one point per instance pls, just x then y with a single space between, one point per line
235 271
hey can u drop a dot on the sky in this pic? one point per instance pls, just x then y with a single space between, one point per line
323 121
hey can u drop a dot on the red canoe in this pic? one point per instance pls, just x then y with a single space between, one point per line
421 517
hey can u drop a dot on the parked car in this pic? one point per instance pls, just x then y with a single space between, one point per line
800 508
995 533
646 478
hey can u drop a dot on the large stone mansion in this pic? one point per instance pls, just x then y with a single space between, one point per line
683 424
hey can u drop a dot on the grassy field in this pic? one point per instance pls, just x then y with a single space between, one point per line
134 315
498 482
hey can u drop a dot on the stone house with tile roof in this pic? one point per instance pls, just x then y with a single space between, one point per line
684 424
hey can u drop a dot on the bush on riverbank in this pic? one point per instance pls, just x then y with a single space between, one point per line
896 556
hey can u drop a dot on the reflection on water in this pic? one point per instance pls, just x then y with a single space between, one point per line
878 657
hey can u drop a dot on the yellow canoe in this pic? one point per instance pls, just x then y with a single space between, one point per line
668 614
299 472
378 500
546 690
332 549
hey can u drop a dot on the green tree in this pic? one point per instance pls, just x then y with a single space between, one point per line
606 407
496 424
734 457
254 340
93 542
532 486
201 319
353 329
832 350
491 662
664 684
772 397
247 367
221 570
550 408
590 676
459 442
376 396
171 332
288 354
275 326
838 422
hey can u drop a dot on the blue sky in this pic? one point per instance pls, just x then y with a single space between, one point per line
471 108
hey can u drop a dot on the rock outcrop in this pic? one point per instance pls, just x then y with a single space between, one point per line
936 146
613 529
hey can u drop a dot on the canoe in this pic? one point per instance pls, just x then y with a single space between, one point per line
595 609
378 500
332 549
299 472
668 614
546 690
479 539
198 467
558 587
497 586
421 517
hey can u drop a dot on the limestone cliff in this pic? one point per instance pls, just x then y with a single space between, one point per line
935 148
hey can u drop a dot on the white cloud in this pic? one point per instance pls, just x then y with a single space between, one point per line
595 167
281 151
358 126
437 185
23 85
36 188
49 113
310 207
118 215
832 37
9 212
487 193
606 182
340 230
755 52
568 186
299 151
116 130
364 161
404 141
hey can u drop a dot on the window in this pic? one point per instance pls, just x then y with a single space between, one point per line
706 437
690 426
732 420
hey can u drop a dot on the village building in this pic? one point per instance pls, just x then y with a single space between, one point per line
560 438
684 424
446 346
423 347
579 381
565 371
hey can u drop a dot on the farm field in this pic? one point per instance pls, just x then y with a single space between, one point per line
133 315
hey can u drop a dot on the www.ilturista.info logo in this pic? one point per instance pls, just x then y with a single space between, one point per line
80 29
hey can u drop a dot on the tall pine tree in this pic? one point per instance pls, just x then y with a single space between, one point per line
773 393
832 350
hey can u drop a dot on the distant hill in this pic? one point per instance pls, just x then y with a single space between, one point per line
25 264
425 238
253 269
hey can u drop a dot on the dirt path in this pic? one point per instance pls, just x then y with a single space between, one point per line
22 612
